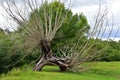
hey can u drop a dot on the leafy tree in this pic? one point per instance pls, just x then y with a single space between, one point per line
111 53
52 28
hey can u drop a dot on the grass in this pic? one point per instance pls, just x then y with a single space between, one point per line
101 71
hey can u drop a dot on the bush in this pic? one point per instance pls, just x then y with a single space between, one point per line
110 55
114 56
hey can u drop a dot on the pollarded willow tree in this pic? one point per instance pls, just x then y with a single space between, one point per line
44 23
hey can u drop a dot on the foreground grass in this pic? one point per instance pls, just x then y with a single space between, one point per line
101 71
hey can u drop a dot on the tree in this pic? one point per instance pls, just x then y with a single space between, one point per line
53 23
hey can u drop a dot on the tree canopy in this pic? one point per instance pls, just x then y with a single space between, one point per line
50 29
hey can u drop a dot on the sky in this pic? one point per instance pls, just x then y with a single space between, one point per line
89 8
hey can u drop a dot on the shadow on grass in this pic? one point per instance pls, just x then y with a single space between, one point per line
56 69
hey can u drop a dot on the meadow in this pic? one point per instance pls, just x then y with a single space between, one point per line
100 71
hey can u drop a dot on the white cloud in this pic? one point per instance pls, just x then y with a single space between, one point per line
2 19
112 38
90 9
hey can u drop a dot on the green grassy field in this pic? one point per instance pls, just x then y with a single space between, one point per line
101 71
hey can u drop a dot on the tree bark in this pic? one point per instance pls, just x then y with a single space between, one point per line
63 68
49 58
40 64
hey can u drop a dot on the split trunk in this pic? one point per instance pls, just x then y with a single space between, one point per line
49 58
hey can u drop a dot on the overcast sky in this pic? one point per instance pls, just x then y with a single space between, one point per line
89 8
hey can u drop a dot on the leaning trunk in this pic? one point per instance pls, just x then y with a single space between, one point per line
40 64
49 58
45 46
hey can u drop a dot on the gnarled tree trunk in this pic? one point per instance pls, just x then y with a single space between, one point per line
49 58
